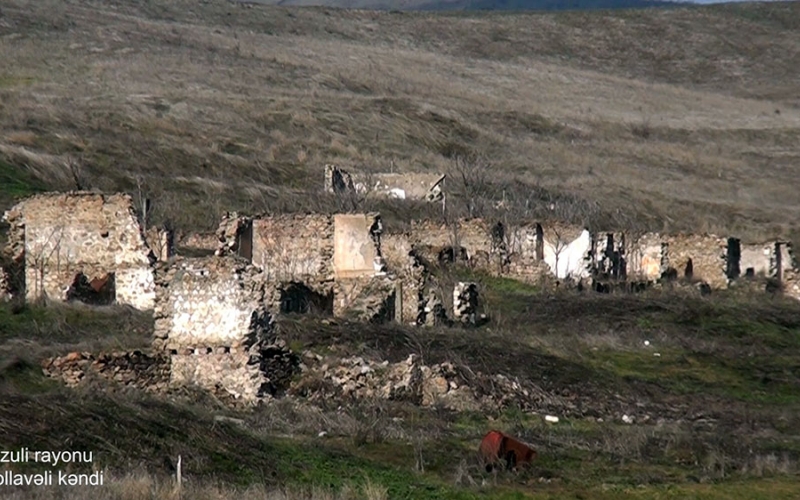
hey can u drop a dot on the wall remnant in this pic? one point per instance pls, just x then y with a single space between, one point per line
337 180
143 370
161 241
405 186
465 303
433 310
211 316
56 237
6 292
370 299
566 251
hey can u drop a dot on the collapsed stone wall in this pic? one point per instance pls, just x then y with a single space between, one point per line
413 186
412 381
161 241
61 239
465 303
399 256
698 257
295 248
211 317
147 371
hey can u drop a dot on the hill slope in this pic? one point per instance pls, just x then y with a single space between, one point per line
660 119
443 5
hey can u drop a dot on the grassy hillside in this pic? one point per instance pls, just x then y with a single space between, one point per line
717 411
658 119
443 5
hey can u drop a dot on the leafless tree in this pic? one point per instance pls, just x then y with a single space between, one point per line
77 174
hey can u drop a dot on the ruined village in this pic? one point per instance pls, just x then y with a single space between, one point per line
215 315
418 250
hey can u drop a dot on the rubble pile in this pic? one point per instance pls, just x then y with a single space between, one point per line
137 369
411 381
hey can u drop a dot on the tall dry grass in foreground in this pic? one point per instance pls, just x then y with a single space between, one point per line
144 486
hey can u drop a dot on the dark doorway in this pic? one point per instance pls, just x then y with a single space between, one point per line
539 242
245 243
733 259
300 299
98 291
688 272
452 254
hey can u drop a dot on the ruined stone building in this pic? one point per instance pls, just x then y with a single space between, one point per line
715 261
79 245
328 263
212 320
412 186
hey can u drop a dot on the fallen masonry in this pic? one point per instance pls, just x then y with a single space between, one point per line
139 369
414 382
212 321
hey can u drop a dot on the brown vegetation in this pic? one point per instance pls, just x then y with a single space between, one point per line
678 119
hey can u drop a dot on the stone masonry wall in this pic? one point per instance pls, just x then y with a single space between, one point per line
210 302
142 370
65 234
295 248
645 257
369 299
707 254
398 255
212 318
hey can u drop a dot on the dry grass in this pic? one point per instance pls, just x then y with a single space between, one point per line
680 119
145 486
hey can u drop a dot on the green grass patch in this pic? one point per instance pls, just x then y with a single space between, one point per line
16 182
10 81
686 373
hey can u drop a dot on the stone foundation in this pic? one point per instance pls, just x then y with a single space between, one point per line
241 376
414 382
147 371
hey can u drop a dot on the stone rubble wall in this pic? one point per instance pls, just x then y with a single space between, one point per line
465 303
229 233
791 283
213 318
6 293
295 248
59 235
368 299
398 254
644 257
221 373
412 381
210 301
147 371
707 254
